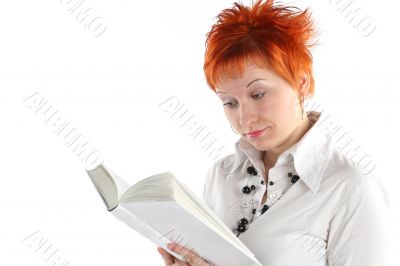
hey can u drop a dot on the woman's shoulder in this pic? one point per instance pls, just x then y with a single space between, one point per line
216 177
358 178
225 165
349 168
221 168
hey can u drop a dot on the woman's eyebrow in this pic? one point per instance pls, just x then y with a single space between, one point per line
251 82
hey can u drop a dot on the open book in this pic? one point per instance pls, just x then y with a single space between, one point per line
164 210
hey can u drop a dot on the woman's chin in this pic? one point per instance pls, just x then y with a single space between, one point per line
262 144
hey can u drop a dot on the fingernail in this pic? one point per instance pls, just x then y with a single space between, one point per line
171 245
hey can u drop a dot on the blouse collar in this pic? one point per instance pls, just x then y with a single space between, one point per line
311 153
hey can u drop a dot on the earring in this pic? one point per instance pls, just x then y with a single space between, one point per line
302 109
234 130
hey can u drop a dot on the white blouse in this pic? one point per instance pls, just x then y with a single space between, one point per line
333 215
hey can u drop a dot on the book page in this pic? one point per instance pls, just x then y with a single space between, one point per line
130 219
178 225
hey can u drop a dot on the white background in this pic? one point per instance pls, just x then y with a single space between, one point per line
110 87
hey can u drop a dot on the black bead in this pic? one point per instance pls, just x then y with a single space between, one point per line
251 170
264 209
254 211
241 228
271 183
244 221
294 178
246 190
262 182
253 187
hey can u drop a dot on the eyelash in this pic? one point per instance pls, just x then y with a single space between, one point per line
256 96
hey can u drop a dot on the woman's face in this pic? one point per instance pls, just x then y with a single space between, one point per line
262 100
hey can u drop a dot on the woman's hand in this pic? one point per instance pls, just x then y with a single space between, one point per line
189 257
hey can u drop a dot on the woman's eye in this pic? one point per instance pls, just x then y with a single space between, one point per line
258 95
229 104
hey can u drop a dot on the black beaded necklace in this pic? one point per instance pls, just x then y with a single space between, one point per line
243 223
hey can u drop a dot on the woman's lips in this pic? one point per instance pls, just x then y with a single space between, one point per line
257 133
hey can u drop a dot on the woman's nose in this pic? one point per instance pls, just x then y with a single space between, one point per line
247 116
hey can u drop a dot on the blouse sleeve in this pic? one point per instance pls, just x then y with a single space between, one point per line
206 184
209 187
358 233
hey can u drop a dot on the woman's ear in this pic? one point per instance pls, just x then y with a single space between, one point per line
303 84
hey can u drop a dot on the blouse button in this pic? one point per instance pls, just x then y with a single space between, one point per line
244 221
264 209
246 190
294 178
254 211
262 182
273 196
271 183
241 228
251 170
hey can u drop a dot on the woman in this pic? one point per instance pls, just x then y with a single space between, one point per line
287 192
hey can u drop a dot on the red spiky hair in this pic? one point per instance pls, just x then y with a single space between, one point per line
270 35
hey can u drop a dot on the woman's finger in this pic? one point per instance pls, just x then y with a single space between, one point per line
188 255
168 258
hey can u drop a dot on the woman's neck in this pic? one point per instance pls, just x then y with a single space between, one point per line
271 156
